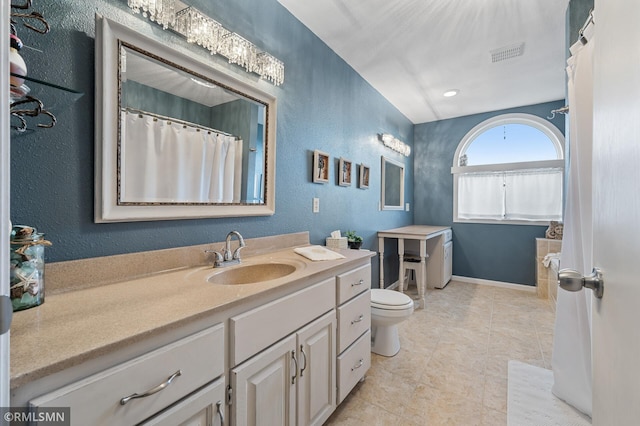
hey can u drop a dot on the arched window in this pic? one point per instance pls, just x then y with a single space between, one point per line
509 169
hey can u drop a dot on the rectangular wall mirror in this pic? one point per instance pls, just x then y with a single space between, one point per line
392 188
177 138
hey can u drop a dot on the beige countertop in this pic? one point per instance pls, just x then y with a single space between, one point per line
75 326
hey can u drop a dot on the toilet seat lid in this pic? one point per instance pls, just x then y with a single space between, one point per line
389 299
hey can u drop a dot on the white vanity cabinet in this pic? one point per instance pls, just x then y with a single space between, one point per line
292 381
354 324
138 389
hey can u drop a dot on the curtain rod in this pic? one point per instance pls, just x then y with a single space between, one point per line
563 110
176 120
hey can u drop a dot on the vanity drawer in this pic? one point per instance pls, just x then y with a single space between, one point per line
353 282
353 364
259 328
96 400
354 318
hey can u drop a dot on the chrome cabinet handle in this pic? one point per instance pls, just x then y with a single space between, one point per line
158 388
358 365
305 360
358 283
360 318
219 408
293 357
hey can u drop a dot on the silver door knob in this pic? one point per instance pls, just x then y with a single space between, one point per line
572 280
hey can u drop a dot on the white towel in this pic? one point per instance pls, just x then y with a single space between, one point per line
318 253
549 258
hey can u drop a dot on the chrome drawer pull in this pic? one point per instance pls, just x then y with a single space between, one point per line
360 318
293 357
305 360
158 388
358 283
358 365
219 408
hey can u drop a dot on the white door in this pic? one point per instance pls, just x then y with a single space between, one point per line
616 213
4 203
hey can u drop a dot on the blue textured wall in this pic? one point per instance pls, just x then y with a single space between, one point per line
323 104
493 252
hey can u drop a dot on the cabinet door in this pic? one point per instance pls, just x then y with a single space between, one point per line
203 408
317 365
264 387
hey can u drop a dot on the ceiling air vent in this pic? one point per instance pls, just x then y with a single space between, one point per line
507 52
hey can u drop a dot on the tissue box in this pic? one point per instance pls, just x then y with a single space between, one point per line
337 243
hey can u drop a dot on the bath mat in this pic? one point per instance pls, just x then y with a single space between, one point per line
531 403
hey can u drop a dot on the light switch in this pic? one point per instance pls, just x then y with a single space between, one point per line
316 205
407 207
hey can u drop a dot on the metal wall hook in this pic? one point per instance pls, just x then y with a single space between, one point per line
37 110
38 17
563 110
26 5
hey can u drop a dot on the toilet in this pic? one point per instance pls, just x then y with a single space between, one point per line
388 309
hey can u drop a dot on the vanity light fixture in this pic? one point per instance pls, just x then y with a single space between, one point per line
200 29
395 144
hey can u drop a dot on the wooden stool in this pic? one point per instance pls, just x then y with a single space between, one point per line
413 271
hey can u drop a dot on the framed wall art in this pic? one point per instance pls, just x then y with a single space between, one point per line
320 167
363 178
344 170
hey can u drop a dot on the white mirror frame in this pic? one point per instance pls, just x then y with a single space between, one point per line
383 185
106 207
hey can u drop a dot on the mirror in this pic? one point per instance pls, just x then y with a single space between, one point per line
392 188
175 137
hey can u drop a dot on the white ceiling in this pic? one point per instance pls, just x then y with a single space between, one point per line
412 51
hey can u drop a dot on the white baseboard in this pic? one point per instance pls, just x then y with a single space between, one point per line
469 280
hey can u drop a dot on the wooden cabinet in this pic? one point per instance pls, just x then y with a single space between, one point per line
316 393
263 388
204 407
292 382
138 389
354 325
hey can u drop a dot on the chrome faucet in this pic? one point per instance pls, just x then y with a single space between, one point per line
226 258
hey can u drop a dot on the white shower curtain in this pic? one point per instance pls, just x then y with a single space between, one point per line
163 162
571 359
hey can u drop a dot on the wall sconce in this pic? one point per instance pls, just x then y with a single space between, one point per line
200 29
395 144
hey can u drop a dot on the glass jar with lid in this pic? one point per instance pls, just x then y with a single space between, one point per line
26 265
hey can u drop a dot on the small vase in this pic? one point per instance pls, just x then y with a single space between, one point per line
355 245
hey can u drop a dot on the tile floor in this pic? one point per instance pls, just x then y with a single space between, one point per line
452 365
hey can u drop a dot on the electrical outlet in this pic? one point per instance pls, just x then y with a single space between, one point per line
407 207
316 205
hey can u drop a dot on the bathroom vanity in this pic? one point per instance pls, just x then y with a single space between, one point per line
168 348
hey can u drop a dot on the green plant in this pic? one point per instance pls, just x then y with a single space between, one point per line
353 237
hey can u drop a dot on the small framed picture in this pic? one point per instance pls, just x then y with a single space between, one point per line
363 181
344 179
320 167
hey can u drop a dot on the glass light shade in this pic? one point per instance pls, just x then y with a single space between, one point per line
211 35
